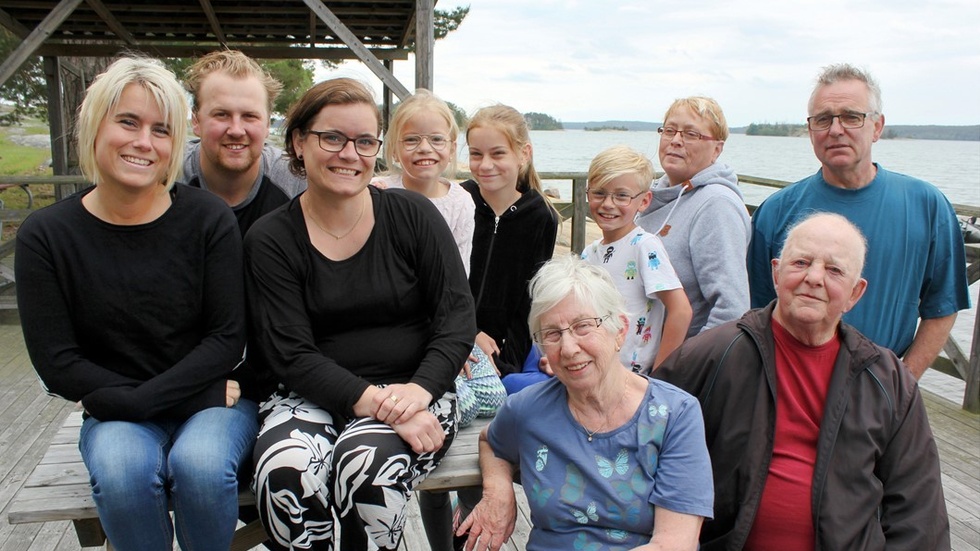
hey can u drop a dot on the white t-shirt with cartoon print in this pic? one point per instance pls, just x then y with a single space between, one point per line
639 266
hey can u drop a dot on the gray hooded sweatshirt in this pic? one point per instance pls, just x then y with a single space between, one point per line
705 228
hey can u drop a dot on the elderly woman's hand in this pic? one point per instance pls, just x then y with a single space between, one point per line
398 403
492 521
422 432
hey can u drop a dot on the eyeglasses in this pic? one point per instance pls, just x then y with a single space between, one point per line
436 141
686 135
620 199
334 142
848 119
579 329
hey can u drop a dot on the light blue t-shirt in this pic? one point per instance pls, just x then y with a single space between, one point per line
915 264
601 495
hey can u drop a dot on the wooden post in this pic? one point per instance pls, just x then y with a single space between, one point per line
386 98
424 43
971 397
580 210
56 123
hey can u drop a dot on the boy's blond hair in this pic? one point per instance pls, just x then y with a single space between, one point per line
617 161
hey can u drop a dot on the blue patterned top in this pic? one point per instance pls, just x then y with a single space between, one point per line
601 494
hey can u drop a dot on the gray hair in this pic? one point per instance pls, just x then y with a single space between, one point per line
568 275
844 71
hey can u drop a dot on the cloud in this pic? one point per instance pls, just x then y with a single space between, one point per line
579 60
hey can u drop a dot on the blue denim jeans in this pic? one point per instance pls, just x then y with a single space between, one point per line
137 468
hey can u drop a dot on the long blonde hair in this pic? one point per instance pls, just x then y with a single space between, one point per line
511 123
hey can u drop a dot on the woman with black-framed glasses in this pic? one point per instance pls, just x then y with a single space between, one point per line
360 308
699 214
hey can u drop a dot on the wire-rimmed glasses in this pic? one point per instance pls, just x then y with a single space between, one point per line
411 142
578 329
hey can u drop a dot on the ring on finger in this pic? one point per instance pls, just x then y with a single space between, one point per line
394 398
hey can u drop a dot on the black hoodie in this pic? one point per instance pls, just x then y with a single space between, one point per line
507 252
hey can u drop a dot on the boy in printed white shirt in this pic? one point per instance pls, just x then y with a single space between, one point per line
618 188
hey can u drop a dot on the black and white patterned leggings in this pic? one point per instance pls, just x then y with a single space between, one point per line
314 468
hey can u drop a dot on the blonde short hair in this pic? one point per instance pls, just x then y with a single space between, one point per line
706 108
103 95
620 160
235 64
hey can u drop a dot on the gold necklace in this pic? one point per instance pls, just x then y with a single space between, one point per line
592 433
330 233
605 418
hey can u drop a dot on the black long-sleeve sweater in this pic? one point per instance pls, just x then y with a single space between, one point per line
397 311
136 322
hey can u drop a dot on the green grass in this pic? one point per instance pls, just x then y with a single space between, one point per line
16 160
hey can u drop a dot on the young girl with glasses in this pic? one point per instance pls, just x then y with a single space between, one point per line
421 156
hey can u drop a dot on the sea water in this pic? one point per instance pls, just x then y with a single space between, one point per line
952 166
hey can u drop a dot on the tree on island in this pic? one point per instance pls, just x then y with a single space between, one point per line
540 121
606 129
778 129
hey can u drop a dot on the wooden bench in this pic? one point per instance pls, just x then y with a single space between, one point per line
58 487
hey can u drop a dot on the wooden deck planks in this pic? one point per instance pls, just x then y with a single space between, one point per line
29 420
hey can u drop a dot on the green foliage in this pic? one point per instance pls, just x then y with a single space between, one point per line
25 90
779 129
606 128
446 22
932 132
461 119
540 121
296 76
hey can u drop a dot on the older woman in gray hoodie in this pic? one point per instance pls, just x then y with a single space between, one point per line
698 213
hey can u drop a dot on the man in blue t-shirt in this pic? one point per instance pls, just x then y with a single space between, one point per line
915 268
232 99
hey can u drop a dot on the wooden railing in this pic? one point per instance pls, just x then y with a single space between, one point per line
956 363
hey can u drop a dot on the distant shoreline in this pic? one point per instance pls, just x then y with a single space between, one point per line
892 132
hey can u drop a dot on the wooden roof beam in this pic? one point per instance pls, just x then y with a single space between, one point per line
360 50
114 25
405 40
199 49
312 31
213 20
13 25
27 48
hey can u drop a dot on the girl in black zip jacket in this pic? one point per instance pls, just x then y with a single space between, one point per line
514 234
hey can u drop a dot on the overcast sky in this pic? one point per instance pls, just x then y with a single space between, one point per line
587 60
